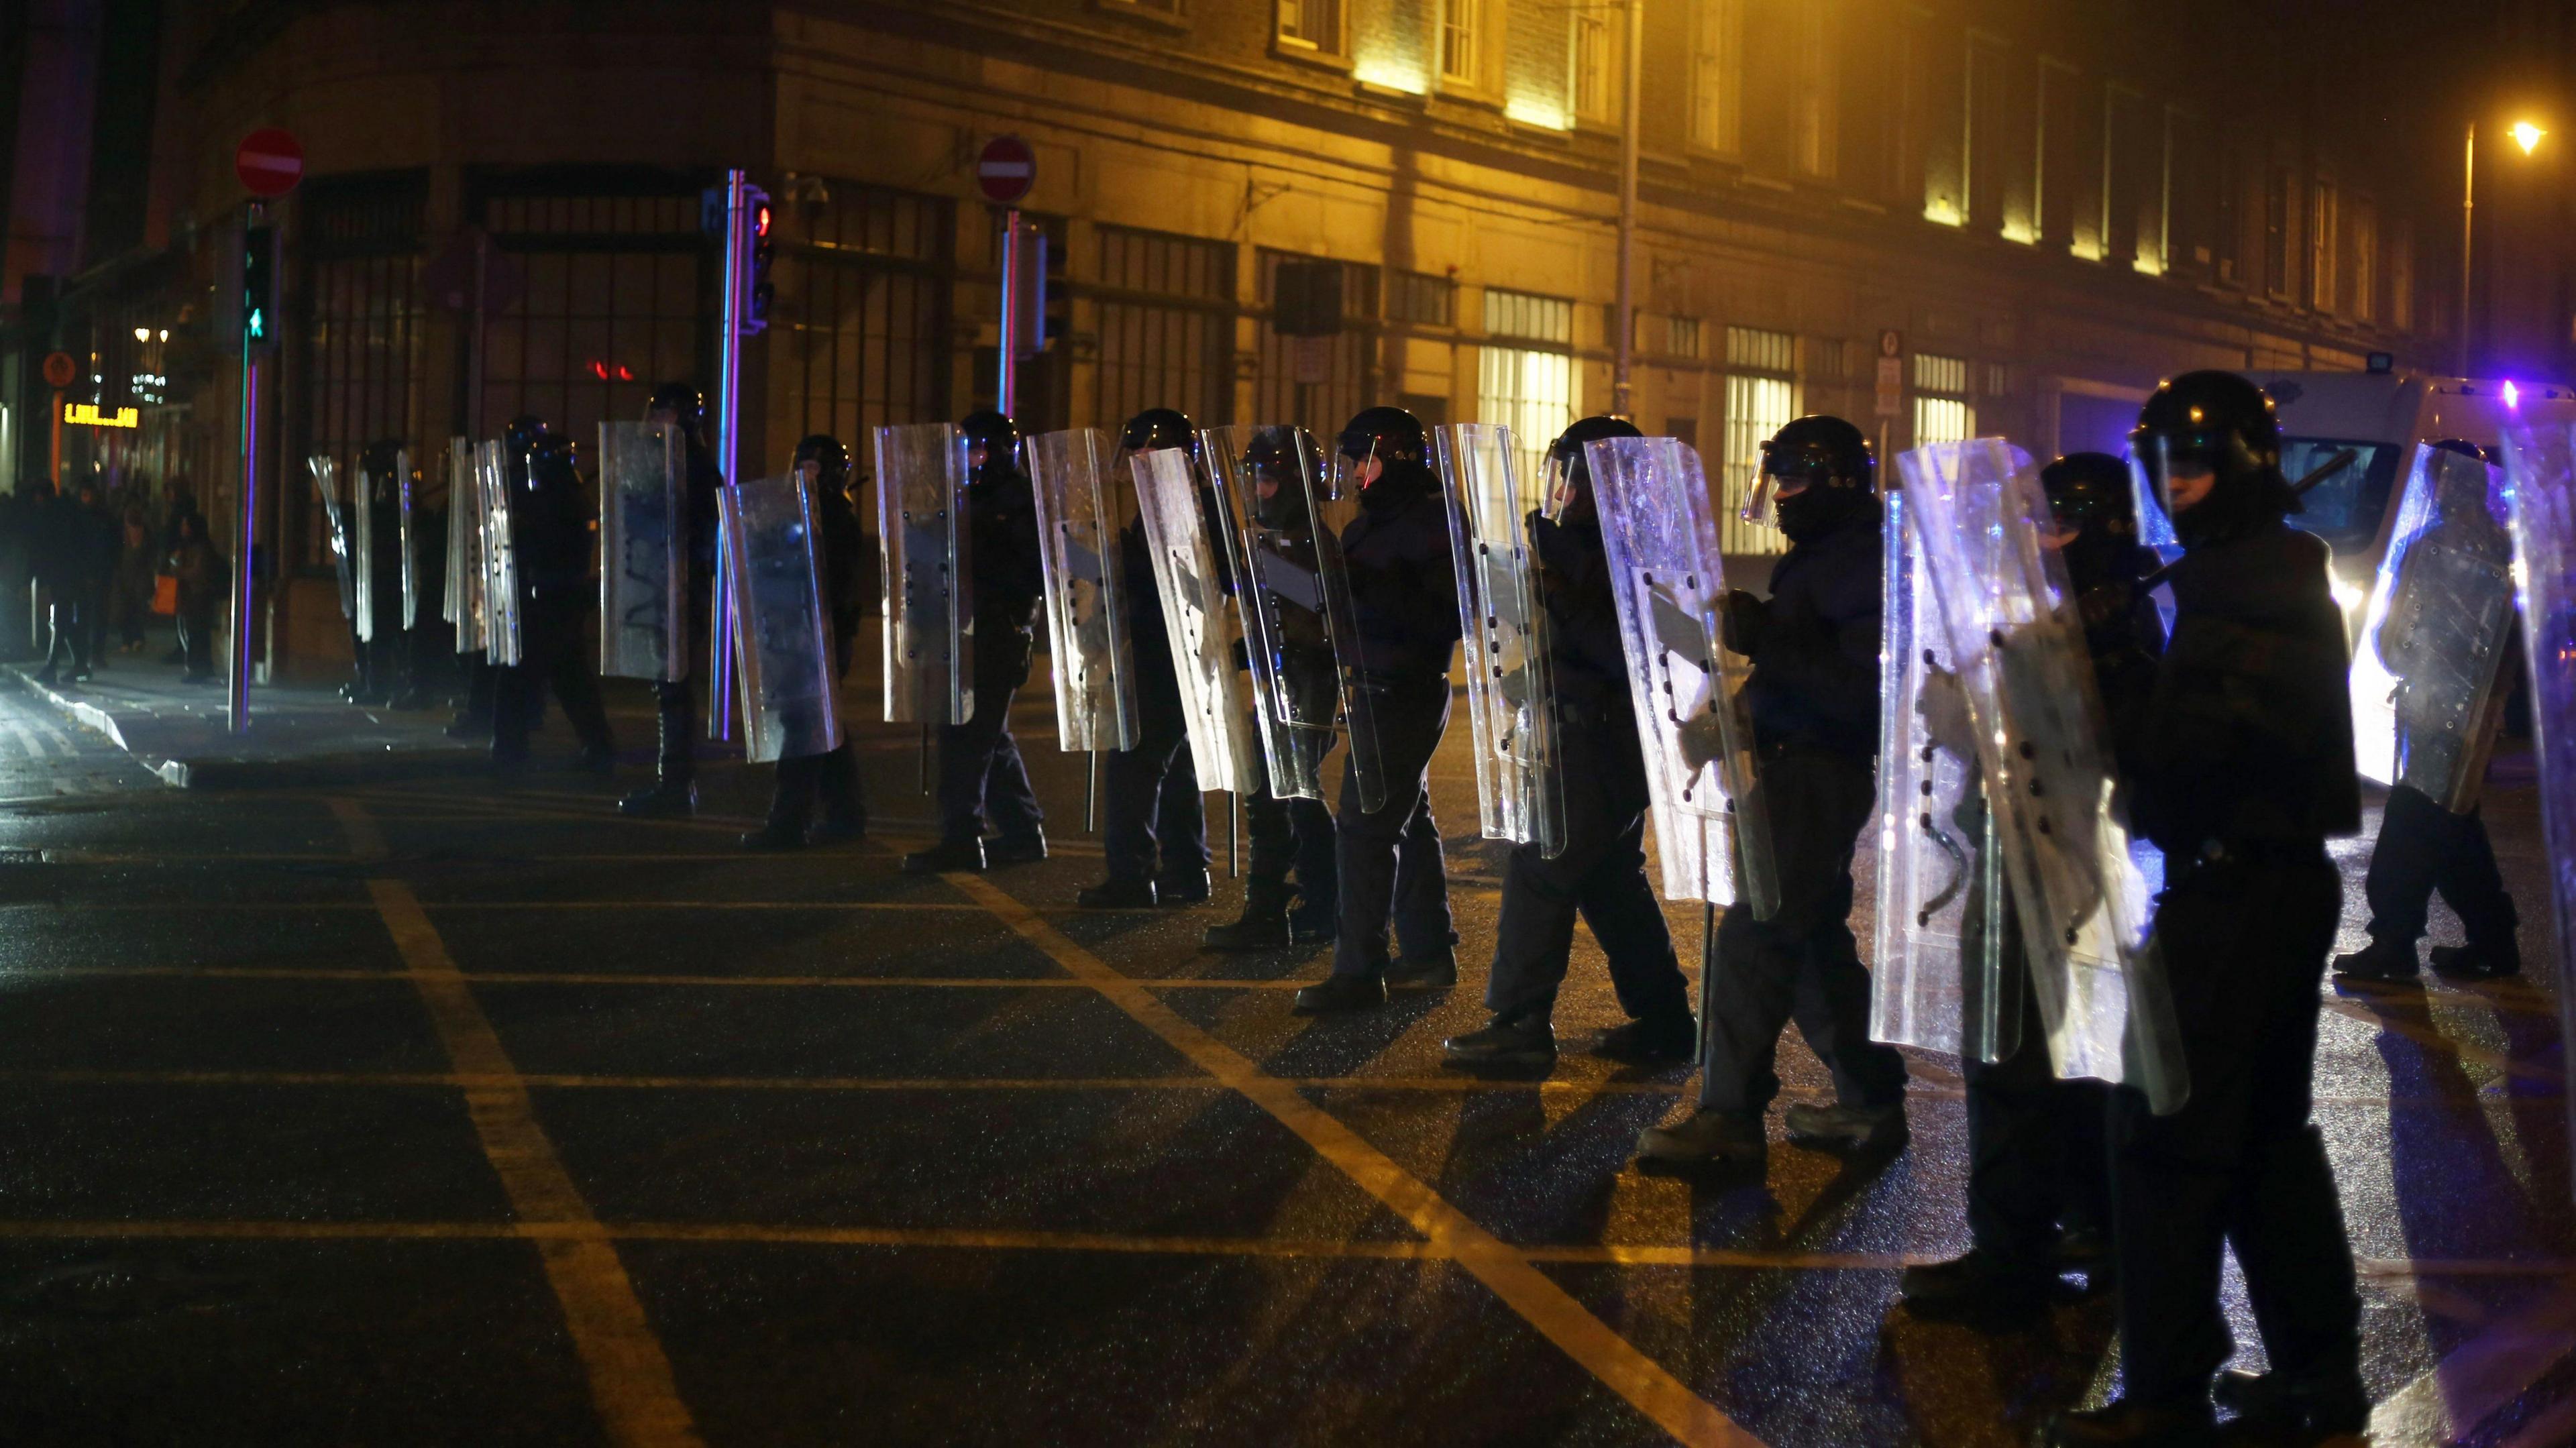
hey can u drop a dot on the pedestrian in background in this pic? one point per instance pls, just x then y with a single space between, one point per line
129 602
203 574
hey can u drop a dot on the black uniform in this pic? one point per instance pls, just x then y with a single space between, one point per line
1601 872
1404 590
2244 769
2422 845
1154 819
550 526
676 701
833 776
981 777
1814 695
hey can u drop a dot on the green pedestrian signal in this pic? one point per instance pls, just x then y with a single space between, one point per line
259 286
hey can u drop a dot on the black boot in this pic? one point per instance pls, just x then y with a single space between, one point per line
1025 849
1263 925
1705 1136
1528 1042
1424 972
1182 887
1652 1041
1341 993
2308 1409
2382 962
1978 1287
2477 962
665 800
2128 1425
1116 893
775 835
945 856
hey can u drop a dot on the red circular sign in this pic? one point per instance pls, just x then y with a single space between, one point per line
1006 170
60 369
269 162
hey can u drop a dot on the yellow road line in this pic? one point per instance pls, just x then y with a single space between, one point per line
630 1376
1506 1272
991 1239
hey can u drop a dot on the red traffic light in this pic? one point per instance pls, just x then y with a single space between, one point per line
760 221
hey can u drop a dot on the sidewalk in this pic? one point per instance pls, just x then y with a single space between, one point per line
301 732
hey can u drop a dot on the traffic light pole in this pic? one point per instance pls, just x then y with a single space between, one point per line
1006 390
246 531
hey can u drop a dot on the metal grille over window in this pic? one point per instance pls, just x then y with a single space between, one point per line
1422 299
1942 412
1318 341
363 347
863 282
1761 398
612 305
1166 310
1529 389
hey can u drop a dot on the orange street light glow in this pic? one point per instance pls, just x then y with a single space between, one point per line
2527 135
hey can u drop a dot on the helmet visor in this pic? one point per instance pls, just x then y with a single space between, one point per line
1786 470
1353 470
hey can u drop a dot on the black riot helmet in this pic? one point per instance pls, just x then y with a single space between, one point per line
1394 439
686 405
1817 473
998 436
2216 425
2096 518
1157 428
554 460
384 463
520 432
833 472
1281 464
1568 497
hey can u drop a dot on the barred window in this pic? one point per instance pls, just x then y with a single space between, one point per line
1942 412
1529 317
1167 306
362 333
1761 398
1316 382
857 335
1421 298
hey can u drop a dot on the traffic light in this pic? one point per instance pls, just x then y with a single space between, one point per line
260 322
764 249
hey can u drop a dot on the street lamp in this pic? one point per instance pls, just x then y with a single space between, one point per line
2527 136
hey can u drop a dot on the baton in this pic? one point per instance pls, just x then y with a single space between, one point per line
2325 470
1090 789
1233 835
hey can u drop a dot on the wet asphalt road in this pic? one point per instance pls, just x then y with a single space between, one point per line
426 1112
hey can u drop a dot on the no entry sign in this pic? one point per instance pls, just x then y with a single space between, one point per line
1006 170
269 162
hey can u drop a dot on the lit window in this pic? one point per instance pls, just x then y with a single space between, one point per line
1761 398
1941 409
1459 33
1312 24
1529 389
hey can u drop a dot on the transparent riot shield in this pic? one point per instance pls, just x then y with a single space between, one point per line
361 512
1191 575
782 635
1712 830
2009 620
467 584
326 485
2541 465
1937 976
409 539
643 553
928 588
2425 707
1084 503
1520 793
1301 634
500 558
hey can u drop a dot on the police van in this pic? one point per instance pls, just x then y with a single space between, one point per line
2381 414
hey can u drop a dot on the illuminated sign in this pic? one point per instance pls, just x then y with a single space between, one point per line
87 414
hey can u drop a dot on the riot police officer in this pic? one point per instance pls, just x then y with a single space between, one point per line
1404 592
1814 698
550 528
1296 833
380 658
675 776
1600 872
2423 845
474 720
2039 1192
832 777
1154 825
981 777
2244 769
